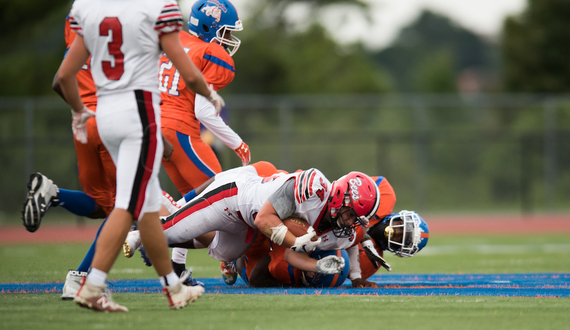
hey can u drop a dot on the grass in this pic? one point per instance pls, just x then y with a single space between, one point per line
444 254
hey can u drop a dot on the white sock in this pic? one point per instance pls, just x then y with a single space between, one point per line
97 276
179 255
169 280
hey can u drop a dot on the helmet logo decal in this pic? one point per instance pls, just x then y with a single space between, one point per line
212 11
354 184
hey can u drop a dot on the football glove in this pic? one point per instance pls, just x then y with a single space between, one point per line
216 99
79 123
373 255
330 265
243 153
304 244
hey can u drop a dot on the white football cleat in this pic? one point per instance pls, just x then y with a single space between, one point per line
132 243
72 284
180 295
94 297
41 194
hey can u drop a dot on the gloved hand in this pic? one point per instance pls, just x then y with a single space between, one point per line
330 265
216 100
305 244
243 153
79 123
373 255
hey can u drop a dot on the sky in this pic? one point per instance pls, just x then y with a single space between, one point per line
484 17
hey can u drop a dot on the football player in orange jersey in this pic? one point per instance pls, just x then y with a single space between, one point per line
404 233
210 45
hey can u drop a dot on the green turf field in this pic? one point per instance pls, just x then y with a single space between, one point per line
444 254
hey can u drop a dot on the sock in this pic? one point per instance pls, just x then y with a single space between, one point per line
189 196
178 268
97 276
169 280
179 255
88 259
76 202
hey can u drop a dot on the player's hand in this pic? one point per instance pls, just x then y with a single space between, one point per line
216 100
330 265
243 153
79 123
305 244
373 255
360 283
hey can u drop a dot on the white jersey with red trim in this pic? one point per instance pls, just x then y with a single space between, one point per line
123 37
312 190
330 242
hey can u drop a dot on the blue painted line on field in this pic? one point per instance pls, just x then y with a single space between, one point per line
506 285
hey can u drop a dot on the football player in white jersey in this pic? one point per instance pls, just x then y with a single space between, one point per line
125 40
239 203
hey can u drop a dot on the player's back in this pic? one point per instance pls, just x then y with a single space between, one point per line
123 39
216 66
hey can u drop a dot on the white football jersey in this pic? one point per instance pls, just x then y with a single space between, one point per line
312 190
123 39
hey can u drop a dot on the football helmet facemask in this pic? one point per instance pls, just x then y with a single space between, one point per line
404 233
210 19
357 193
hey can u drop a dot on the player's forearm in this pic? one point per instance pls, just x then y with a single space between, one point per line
354 262
300 261
70 93
269 223
207 115
56 87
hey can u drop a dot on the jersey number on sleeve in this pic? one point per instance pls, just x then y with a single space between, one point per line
113 24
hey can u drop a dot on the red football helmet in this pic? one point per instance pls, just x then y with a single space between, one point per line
357 192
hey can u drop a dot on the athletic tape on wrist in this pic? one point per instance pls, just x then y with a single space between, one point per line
278 234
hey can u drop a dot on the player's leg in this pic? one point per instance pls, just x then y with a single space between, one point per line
74 276
97 177
96 170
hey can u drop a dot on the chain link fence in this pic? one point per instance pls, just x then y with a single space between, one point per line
441 153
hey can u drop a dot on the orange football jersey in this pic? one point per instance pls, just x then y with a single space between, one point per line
216 66
87 89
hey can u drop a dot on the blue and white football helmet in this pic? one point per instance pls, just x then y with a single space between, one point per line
210 19
405 242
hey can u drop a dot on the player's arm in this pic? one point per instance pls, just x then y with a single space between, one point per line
269 223
207 115
192 76
56 87
355 273
327 265
65 76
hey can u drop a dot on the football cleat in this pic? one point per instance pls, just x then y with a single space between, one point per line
132 243
229 273
189 280
41 194
72 284
94 297
180 295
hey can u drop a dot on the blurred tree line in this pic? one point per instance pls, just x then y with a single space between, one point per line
433 54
